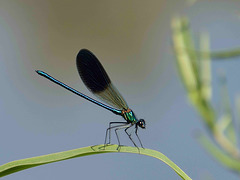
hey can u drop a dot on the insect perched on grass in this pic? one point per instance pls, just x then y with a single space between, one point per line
97 81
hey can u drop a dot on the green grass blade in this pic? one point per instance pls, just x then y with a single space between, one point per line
22 164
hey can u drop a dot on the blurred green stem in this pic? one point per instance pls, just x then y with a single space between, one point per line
218 55
225 143
219 154
196 77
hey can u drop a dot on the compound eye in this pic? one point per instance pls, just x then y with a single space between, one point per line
142 123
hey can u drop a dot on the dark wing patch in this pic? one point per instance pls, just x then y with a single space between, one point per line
91 71
97 81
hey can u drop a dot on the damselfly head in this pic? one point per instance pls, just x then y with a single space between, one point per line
141 123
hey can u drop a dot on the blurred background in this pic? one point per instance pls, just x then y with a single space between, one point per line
133 40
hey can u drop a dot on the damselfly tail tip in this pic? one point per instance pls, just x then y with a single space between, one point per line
40 72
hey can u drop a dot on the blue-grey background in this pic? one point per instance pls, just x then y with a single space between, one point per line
133 41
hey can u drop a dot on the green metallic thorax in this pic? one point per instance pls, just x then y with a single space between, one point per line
129 116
